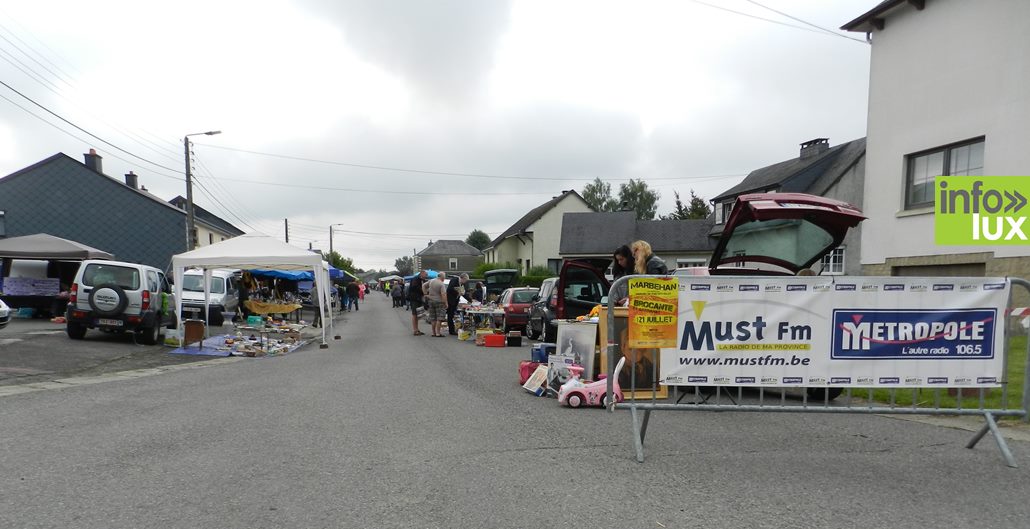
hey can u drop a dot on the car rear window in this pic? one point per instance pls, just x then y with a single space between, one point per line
104 274
195 283
523 296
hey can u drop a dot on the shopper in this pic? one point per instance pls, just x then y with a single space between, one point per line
455 288
647 262
478 292
415 300
436 293
623 264
352 293
316 304
397 293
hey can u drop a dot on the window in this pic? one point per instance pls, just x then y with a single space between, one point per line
722 211
960 159
452 263
527 266
211 238
833 262
554 265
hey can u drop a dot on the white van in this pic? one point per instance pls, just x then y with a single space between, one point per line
223 298
118 296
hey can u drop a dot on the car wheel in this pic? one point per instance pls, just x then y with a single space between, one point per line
574 400
76 331
531 331
217 319
150 335
824 393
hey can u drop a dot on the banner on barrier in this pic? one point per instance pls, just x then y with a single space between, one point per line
846 332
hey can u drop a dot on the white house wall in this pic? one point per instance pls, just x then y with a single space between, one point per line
954 71
546 232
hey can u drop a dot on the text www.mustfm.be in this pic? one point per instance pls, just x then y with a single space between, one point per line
767 360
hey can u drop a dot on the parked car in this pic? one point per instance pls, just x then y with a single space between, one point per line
516 303
5 314
223 295
579 287
119 296
768 234
498 280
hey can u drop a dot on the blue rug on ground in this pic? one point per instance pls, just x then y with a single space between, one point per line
211 345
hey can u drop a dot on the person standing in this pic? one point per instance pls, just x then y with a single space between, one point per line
352 293
361 291
415 300
455 288
316 304
622 265
396 292
386 289
436 293
646 262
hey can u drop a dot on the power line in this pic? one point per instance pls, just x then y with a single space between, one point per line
826 30
440 173
779 22
351 190
90 134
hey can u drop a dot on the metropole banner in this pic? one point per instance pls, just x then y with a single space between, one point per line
843 331
653 308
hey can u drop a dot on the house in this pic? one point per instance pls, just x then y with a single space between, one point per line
450 256
210 227
941 106
534 239
680 243
834 172
77 201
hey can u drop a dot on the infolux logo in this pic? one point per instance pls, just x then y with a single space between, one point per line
981 210
913 334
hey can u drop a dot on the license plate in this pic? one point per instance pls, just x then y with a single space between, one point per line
526 311
190 309
113 323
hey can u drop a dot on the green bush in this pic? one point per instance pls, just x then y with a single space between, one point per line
540 271
532 281
483 268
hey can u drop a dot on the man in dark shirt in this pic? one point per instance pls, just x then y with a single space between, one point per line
452 300
352 293
415 299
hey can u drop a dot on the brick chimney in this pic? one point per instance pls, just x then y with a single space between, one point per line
814 147
132 180
94 161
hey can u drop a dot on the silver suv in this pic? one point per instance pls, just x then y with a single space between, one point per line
117 296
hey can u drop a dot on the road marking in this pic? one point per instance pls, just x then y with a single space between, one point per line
71 382
7 341
44 332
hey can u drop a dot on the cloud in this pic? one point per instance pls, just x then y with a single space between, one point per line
444 48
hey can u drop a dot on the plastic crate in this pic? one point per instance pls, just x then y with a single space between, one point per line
494 340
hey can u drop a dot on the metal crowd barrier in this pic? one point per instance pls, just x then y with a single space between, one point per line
716 398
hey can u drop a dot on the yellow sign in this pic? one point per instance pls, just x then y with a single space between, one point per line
653 310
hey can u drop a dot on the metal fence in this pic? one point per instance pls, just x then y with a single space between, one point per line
852 400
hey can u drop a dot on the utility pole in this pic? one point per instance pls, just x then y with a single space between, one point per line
191 226
286 222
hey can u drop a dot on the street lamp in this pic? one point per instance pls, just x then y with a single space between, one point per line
190 221
331 238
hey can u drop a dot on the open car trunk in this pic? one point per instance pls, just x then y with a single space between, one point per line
780 233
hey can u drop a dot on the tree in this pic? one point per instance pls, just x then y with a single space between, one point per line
479 239
698 208
598 195
636 196
341 262
405 266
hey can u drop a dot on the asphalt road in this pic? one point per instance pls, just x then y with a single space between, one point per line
385 429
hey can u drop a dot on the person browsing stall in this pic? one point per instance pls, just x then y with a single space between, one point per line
436 293
455 288
646 262
415 295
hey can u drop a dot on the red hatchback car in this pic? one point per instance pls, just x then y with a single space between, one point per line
516 302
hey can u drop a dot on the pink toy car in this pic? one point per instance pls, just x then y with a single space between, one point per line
575 393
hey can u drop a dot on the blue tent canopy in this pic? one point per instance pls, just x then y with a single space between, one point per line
294 275
336 273
430 273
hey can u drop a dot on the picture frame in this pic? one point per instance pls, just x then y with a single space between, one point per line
578 340
647 362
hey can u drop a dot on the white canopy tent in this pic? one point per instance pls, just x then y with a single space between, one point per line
248 252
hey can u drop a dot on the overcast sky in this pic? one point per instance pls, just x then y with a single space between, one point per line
534 96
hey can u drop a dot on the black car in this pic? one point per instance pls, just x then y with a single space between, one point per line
579 287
